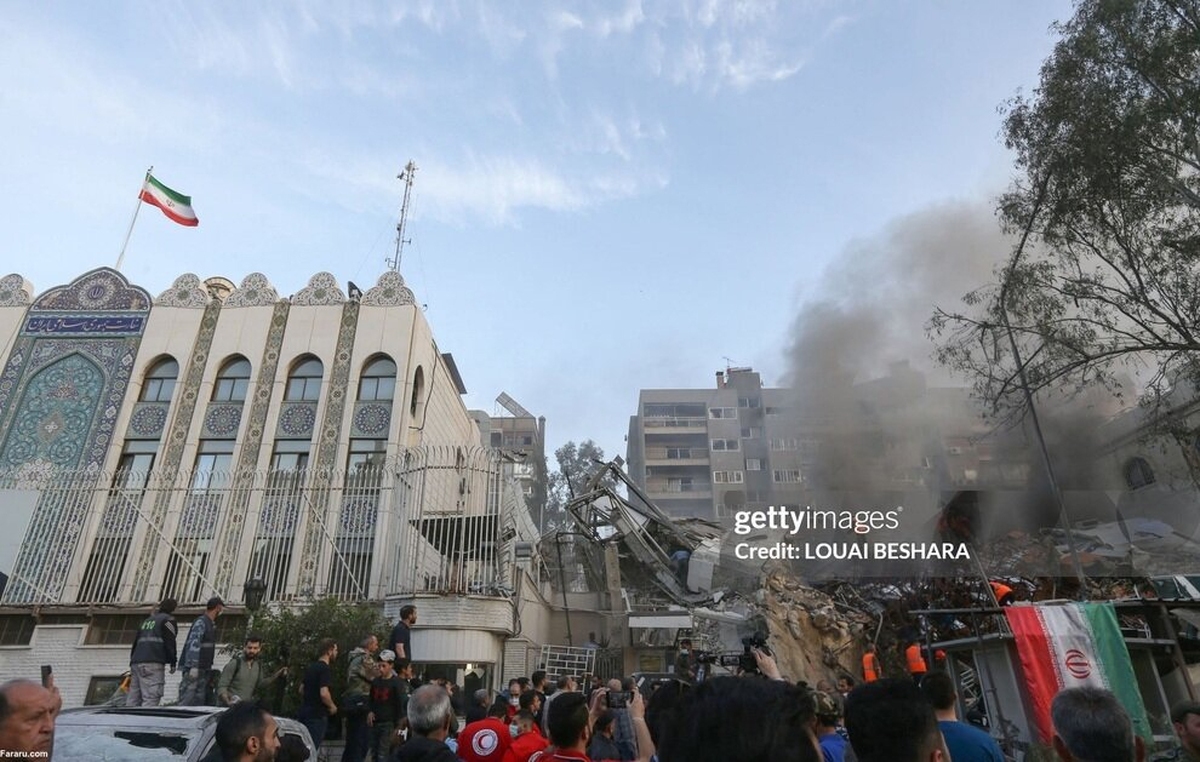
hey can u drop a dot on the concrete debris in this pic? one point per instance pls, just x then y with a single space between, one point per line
819 632
812 636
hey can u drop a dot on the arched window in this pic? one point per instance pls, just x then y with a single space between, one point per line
1138 473
305 381
418 390
378 380
160 381
233 381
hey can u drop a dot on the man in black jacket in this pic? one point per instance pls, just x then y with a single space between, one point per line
480 701
152 652
198 652
430 718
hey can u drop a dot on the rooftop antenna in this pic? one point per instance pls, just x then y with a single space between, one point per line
407 175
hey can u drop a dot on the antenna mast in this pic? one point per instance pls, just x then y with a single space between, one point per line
410 170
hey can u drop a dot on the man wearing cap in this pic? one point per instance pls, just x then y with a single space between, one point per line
389 702
829 711
1186 717
198 653
361 672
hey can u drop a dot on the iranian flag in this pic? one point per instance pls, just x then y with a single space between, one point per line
176 206
1069 645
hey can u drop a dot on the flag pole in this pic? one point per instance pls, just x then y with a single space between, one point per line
136 209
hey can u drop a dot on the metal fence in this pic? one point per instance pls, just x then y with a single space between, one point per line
463 514
436 519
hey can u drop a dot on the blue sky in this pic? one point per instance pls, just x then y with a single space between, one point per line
610 196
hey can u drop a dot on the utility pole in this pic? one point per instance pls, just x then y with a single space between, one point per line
407 175
1002 303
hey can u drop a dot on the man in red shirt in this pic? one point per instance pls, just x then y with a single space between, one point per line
570 728
485 740
571 721
529 743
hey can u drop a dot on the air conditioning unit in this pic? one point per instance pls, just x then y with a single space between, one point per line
954 450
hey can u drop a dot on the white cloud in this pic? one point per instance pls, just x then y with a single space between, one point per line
613 186
492 189
278 46
603 134
624 23
711 45
752 64
503 36
611 138
46 91
204 41
551 39
690 66
562 21
495 187
836 25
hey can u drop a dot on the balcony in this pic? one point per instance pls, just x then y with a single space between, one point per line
697 424
676 456
674 487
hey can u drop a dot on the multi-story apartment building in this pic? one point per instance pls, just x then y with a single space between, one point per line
705 452
522 439
709 452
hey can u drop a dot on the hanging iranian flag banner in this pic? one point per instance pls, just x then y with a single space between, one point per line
1070 645
176 206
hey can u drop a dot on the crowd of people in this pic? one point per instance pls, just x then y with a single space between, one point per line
730 719
389 717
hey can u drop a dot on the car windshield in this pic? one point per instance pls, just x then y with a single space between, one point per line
99 742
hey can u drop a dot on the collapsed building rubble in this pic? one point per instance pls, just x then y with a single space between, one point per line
818 629
676 564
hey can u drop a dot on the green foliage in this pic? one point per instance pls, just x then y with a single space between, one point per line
290 636
577 463
1107 288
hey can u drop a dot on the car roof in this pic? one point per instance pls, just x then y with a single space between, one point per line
196 723
164 717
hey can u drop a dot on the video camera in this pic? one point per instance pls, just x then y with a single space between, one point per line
743 660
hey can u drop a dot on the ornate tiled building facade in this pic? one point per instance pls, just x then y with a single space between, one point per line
183 444
220 439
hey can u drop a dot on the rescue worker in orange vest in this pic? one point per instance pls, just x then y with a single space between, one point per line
1004 594
916 662
870 664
